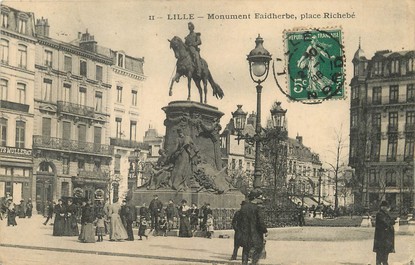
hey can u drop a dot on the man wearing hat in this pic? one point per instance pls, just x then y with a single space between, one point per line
237 237
384 242
252 227
192 40
155 208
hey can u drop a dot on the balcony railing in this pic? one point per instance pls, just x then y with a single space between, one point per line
128 143
385 100
91 174
40 141
392 128
396 158
4 104
76 109
409 127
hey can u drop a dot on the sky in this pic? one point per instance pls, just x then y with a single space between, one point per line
125 25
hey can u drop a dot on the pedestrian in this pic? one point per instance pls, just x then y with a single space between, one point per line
300 214
171 214
184 227
155 208
87 219
209 225
129 216
252 227
117 230
100 230
163 225
29 208
384 242
194 217
71 224
59 223
144 212
142 229
21 209
11 213
49 212
206 212
237 236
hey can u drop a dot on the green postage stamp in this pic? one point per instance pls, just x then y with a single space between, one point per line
315 63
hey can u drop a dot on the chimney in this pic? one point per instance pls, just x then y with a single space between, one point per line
42 27
88 42
299 138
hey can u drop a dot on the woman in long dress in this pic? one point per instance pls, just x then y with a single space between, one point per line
71 225
87 230
184 214
11 213
117 230
59 223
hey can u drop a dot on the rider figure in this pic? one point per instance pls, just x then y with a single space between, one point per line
192 40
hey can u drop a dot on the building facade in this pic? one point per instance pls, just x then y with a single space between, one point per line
71 131
17 85
382 128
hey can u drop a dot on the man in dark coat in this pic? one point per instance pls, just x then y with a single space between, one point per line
300 214
171 213
128 216
155 208
49 211
252 227
384 242
237 237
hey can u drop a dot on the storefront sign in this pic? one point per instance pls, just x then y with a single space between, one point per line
15 151
78 193
99 194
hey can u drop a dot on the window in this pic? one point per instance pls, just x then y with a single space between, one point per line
97 166
356 70
411 65
3 89
390 180
22 26
119 94
66 130
46 126
81 164
82 133
392 147
120 60
134 97
354 120
98 72
98 101
394 66
133 130
377 95
377 68
409 146
47 90
82 96
65 165
376 121
3 132
82 68
65 189
393 121
393 94
21 93
20 134
233 165
240 164
48 58
67 63
22 56
355 92
97 135
117 164
4 56
66 94
410 93
373 176
118 127
375 149
4 20
223 142
410 118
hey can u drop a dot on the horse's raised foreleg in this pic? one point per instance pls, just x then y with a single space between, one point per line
176 78
189 85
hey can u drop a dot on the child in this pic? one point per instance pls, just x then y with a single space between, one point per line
209 226
163 226
142 228
100 230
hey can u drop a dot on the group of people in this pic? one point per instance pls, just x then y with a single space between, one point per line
11 210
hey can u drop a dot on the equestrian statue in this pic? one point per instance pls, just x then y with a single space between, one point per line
190 64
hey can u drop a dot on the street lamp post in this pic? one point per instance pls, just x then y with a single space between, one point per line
320 173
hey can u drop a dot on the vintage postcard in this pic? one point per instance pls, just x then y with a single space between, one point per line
207 132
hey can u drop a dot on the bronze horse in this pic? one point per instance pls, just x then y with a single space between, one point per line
186 67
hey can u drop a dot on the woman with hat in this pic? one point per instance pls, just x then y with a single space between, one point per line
384 242
184 214
87 218
71 225
59 223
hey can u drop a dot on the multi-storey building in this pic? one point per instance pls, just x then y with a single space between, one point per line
382 128
17 56
71 131
155 142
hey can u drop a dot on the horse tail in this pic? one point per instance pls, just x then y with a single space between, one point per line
217 91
